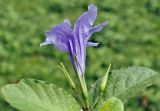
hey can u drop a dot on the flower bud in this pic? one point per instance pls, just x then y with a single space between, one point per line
104 80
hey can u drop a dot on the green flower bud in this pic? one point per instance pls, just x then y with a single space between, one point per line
104 80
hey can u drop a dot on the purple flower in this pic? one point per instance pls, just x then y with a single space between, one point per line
77 40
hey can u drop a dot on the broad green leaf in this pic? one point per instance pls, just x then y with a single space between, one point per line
124 83
35 95
112 104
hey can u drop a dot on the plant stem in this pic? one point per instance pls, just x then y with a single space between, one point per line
82 83
95 102
87 102
86 98
80 98
71 82
84 89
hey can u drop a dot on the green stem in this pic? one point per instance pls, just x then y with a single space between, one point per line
82 84
86 99
84 91
96 100
80 98
87 103
71 82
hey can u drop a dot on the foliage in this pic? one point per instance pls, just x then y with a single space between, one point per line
34 95
124 84
37 95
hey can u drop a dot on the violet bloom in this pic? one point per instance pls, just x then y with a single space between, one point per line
77 40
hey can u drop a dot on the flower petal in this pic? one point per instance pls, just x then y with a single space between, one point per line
72 53
75 41
82 26
59 35
85 21
96 29
92 44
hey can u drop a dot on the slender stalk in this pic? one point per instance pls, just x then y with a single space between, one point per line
96 100
82 84
86 99
84 92
80 98
62 67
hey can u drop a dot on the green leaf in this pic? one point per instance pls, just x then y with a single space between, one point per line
112 104
35 95
123 84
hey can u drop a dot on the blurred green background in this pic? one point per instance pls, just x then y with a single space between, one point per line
132 37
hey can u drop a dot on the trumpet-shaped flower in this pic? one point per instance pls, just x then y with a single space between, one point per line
77 40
